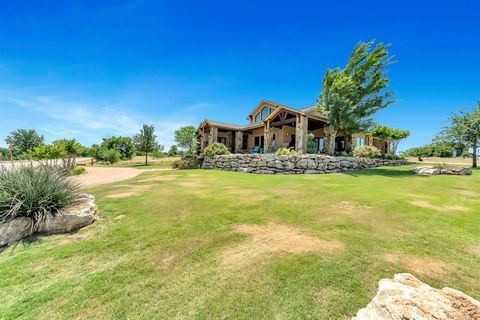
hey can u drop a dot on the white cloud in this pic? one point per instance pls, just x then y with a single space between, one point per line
90 121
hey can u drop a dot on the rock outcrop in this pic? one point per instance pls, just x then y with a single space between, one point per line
70 219
15 230
73 218
457 171
406 298
300 164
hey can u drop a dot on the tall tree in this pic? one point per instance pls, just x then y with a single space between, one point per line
464 129
124 145
24 140
186 138
146 141
350 96
391 135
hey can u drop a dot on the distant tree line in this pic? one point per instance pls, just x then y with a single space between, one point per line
28 144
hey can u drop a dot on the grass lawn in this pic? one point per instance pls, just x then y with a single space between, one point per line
222 245
159 165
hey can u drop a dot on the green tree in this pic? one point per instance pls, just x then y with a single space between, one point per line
146 141
3 153
186 139
173 151
72 149
464 129
350 96
50 154
124 145
24 140
391 135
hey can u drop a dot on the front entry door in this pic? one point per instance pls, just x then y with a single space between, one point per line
245 142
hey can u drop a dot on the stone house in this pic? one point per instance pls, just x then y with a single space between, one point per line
272 126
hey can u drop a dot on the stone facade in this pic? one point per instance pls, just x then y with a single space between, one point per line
301 164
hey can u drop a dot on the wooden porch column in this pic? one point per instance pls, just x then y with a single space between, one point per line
238 141
267 137
301 131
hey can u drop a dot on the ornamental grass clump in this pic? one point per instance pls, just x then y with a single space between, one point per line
36 192
367 152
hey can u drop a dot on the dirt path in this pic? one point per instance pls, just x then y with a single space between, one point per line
101 175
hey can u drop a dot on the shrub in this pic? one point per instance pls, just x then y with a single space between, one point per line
391 156
216 149
367 152
78 171
286 152
311 147
186 163
110 155
35 192
344 154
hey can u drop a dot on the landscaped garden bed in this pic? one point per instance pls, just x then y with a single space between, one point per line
41 199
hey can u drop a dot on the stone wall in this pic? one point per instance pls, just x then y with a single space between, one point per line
282 164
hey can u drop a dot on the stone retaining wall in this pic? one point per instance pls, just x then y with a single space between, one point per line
282 164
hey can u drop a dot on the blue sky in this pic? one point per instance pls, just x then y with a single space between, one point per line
89 69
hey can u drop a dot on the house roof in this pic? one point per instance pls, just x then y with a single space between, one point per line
224 124
308 111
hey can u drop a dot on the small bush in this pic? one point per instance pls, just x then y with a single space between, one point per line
391 156
367 152
215 149
110 155
286 152
78 171
311 147
186 163
344 154
35 192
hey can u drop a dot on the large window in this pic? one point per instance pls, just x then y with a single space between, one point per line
263 114
360 142
319 144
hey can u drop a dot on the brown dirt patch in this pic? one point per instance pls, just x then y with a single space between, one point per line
415 195
274 238
160 178
474 249
417 265
428 205
467 193
131 191
95 176
191 184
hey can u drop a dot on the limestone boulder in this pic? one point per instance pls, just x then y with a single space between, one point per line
430 170
73 218
15 230
406 297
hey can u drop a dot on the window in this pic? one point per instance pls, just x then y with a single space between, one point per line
360 142
319 144
263 114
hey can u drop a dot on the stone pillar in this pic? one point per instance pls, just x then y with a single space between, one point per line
267 136
238 141
301 132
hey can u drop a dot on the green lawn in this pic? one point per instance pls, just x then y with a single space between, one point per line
173 246
160 165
